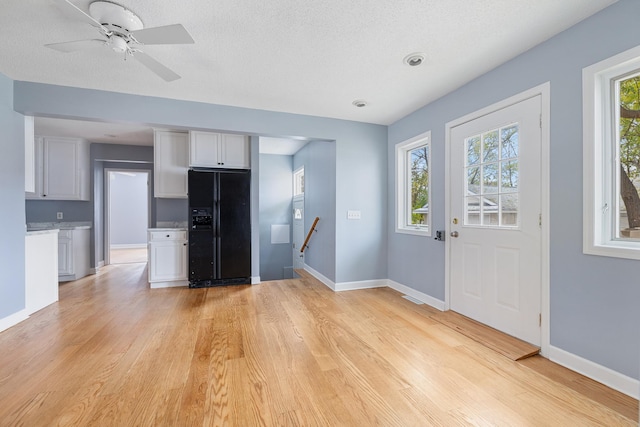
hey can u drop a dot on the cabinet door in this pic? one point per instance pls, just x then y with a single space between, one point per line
204 149
60 167
65 255
167 261
235 151
171 163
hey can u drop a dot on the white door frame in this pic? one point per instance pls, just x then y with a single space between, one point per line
544 90
107 205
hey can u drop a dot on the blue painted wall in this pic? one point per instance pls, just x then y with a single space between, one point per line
276 193
12 215
594 300
320 194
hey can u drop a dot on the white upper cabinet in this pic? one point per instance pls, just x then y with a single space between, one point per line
62 169
204 149
219 150
171 163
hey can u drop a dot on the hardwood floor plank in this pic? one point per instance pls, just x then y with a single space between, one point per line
291 352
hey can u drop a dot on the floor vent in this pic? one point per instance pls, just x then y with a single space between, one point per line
412 299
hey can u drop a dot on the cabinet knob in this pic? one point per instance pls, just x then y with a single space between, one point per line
168 235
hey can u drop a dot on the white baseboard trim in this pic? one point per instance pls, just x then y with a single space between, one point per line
330 283
427 299
94 270
13 319
170 284
362 284
255 280
130 246
602 374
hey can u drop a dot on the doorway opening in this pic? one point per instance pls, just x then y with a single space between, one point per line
127 215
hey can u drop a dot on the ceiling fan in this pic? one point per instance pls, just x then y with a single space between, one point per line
123 31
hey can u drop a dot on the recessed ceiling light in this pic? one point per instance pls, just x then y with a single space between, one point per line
360 103
414 59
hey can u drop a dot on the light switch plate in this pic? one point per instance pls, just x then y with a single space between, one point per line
353 214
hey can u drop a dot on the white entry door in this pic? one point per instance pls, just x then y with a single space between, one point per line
495 208
298 232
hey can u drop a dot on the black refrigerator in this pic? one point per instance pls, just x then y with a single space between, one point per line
219 227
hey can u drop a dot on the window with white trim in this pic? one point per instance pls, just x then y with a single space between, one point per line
413 186
611 169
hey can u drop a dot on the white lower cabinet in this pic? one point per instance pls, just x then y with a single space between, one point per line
167 258
73 254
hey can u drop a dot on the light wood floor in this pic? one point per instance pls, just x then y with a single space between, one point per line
125 256
113 352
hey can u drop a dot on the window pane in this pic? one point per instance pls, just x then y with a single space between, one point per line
490 146
509 140
628 168
419 180
473 180
473 150
509 176
509 209
490 210
490 178
472 210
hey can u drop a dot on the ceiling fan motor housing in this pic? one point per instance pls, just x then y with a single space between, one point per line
115 17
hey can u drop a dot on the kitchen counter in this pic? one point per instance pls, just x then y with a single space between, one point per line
35 232
72 225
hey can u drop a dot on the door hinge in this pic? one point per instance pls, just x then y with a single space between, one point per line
540 121
540 319
539 220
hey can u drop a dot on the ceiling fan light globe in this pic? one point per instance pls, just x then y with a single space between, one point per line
118 44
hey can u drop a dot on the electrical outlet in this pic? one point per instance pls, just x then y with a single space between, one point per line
353 214
59 215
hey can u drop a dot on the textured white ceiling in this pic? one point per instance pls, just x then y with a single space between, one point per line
306 57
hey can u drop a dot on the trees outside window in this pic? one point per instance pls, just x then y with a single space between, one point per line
628 91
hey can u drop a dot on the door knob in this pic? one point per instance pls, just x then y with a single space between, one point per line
454 234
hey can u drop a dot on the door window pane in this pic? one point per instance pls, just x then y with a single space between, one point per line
509 176
490 146
473 150
490 178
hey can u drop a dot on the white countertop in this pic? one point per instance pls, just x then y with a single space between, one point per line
47 231
44 226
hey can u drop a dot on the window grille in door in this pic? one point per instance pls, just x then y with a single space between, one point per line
491 178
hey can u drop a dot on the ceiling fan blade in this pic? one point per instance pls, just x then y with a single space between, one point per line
168 34
165 73
80 14
76 45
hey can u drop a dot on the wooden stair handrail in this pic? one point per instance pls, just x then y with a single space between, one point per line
311 230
